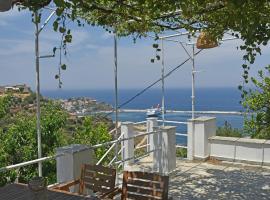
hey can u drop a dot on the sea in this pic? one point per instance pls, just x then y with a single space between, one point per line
206 99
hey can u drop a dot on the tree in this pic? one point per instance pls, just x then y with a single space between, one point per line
19 142
91 133
5 104
257 101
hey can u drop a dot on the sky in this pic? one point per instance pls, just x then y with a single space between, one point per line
90 59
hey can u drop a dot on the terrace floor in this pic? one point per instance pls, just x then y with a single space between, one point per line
215 180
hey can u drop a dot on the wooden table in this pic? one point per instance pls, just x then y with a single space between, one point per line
21 192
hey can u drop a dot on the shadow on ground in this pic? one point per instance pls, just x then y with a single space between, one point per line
229 184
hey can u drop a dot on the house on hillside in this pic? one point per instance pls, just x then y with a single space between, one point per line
18 90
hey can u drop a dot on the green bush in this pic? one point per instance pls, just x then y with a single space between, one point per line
181 152
228 131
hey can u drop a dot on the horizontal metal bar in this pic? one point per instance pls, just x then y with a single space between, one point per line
173 122
173 35
180 146
47 56
181 134
28 163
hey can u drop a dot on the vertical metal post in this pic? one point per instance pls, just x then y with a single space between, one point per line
162 77
38 91
116 97
193 82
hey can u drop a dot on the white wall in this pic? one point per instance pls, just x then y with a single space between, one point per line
240 149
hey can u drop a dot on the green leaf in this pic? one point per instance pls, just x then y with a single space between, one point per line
54 50
55 25
62 30
155 46
63 67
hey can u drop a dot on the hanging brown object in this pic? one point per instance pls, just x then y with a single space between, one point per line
206 41
5 5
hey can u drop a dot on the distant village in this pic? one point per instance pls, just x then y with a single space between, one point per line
75 106
84 106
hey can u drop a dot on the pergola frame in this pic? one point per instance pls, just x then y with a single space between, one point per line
38 30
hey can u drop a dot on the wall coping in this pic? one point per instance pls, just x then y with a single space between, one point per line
71 149
224 138
240 140
202 119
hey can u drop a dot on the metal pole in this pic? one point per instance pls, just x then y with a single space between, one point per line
116 96
162 77
38 91
193 82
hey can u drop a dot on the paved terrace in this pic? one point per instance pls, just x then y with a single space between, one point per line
215 180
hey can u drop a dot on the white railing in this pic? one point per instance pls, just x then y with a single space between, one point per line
172 122
110 149
110 143
114 142
31 162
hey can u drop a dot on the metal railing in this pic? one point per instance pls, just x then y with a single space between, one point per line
111 144
110 149
27 163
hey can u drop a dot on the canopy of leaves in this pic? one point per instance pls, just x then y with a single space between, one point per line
257 101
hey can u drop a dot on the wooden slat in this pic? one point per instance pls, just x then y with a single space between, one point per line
100 168
100 177
97 178
98 182
140 197
155 185
143 185
146 176
148 191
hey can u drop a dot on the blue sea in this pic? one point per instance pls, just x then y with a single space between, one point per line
207 99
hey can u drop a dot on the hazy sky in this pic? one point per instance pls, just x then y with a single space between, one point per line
90 59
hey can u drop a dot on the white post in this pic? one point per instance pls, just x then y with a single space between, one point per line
163 82
128 145
199 130
38 91
116 93
151 123
164 158
193 83
68 166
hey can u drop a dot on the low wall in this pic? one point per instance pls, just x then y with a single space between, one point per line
255 151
